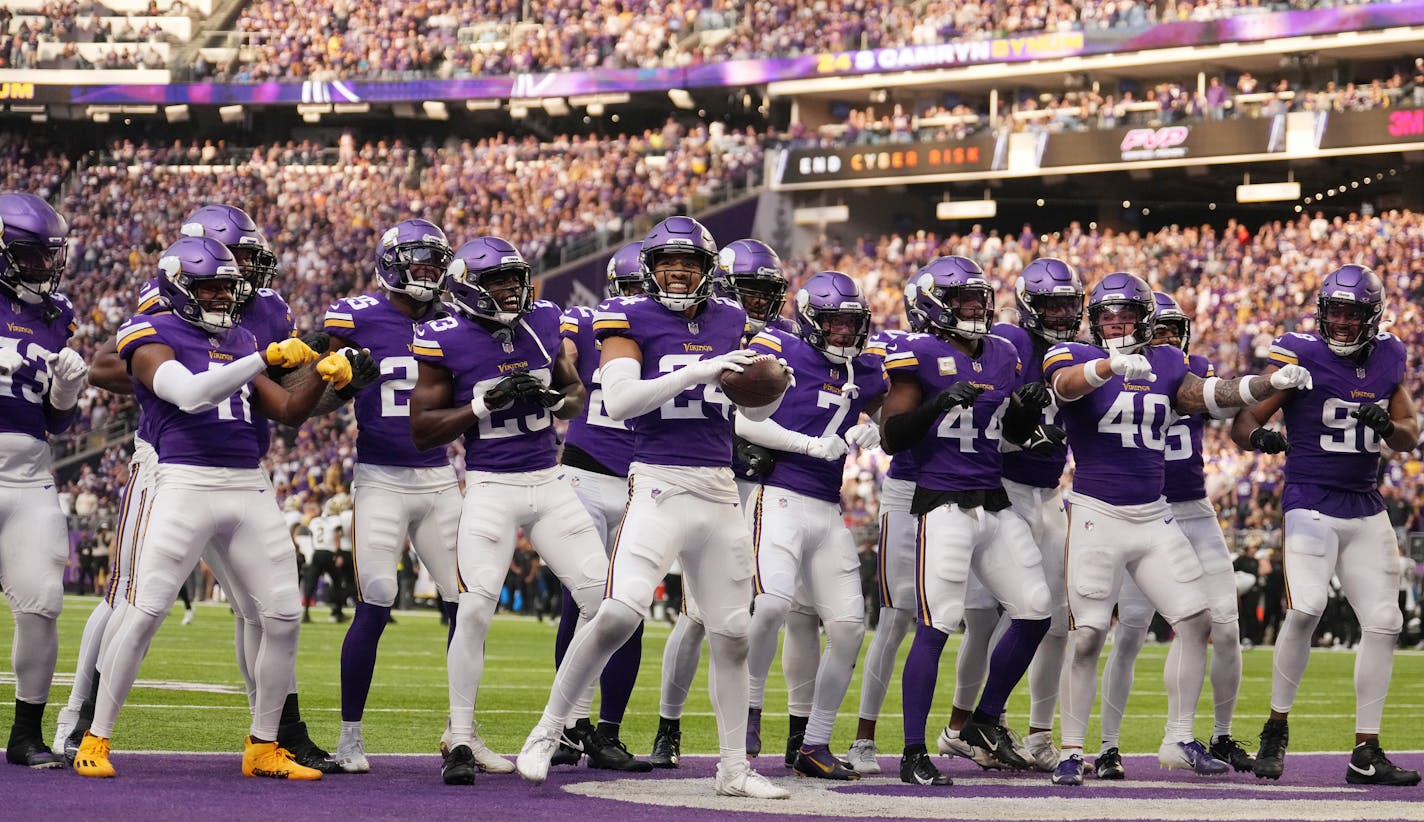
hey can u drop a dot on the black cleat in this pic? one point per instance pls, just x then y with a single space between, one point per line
918 769
1271 756
32 752
667 748
753 733
307 753
459 767
996 741
606 754
793 746
572 744
817 762
1108 765
1369 766
1230 751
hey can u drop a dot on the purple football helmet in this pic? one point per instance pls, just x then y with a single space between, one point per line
679 236
625 270
411 243
1349 308
1171 315
490 280
192 263
1049 296
950 295
32 249
232 227
753 276
1122 291
833 315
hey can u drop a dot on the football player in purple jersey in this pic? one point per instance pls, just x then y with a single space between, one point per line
746 270
40 381
1335 523
1116 398
597 449
399 492
266 315
663 353
955 394
798 531
1185 491
1049 303
495 373
201 377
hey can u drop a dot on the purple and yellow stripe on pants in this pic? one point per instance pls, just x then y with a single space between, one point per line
922 600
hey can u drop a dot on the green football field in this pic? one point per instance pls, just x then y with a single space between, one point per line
189 697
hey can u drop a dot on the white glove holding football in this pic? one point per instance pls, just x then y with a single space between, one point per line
864 436
790 372
67 371
1131 367
1291 376
710 369
827 448
10 361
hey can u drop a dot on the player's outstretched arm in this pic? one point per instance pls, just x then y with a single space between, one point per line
1077 381
156 368
1219 397
627 395
293 380
1251 419
108 371
772 435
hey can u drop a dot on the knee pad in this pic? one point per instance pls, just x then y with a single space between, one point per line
589 599
1382 618
379 591
615 617
1088 641
845 634
737 624
1195 627
772 607
281 628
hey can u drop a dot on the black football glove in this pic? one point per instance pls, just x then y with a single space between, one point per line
1046 440
318 341
1269 442
757 461
961 394
506 391
1376 418
530 389
1034 395
364 371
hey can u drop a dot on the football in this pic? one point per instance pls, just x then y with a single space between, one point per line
761 383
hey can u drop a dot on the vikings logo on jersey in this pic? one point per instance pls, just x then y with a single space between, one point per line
369 321
826 401
1334 460
695 427
1118 432
603 438
963 454
517 438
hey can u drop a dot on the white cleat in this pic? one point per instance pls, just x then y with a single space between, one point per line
741 780
486 759
188 616
950 744
1042 752
533 761
67 718
351 752
862 756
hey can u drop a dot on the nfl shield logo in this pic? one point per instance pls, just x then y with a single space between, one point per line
508 347
1359 373
978 366
692 327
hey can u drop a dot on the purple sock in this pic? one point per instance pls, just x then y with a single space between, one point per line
1010 661
917 683
358 658
619 675
568 621
451 610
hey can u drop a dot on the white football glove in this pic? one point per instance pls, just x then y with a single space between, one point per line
827 448
1291 376
864 436
790 372
1131 367
10 361
710 369
67 373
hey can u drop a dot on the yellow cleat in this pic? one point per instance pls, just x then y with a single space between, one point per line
269 760
93 758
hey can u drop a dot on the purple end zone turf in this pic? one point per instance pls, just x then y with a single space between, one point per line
153 787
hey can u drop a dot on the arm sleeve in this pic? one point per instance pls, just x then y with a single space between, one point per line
769 434
194 393
626 395
760 412
902 432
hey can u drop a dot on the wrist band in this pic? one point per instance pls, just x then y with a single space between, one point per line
478 406
560 404
1209 397
1090 374
1245 390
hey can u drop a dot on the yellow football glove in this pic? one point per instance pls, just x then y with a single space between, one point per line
289 353
335 369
